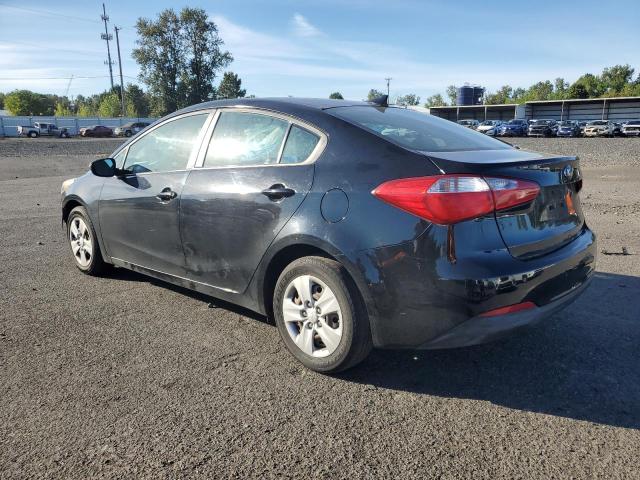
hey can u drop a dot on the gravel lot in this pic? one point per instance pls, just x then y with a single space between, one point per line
127 377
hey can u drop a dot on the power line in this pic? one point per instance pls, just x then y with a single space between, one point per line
49 13
57 49
75 77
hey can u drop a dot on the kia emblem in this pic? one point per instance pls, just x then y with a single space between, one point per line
567 173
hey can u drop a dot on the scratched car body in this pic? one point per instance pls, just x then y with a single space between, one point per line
355 225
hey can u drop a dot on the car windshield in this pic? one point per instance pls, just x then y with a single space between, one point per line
514 122
488 123
416 131
566 123
597 122
540 122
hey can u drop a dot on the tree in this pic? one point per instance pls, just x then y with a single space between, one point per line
540 91
179 57
63 110
86 110
373 94
136 101
203 46
591 84
503 95
577 90
614 79
435 101
1 100
336 96
452 93
161 59
560 88
110 105
26 102
230 86
410 99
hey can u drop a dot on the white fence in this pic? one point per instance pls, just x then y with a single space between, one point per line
9 125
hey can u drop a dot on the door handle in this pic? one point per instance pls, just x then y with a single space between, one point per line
278 192
166 194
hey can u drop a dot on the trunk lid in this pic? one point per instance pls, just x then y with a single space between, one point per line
552 220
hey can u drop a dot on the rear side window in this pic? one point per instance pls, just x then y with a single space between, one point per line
242 139
417 131
300 144
166 148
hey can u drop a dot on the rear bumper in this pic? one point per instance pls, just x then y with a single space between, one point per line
478 330
422 299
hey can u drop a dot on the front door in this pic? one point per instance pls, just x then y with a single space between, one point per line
255 174
139 209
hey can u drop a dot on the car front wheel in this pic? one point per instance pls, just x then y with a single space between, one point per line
320 315
82 241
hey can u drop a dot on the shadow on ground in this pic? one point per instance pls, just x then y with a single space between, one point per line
583 363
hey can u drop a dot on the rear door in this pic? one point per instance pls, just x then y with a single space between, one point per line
249 180
139 210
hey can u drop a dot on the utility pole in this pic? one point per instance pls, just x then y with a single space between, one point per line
106 36
120 66
388 79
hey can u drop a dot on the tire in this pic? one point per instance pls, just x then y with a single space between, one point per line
92 264
33 134
128 133
346 329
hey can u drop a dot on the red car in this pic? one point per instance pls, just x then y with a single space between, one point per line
96 131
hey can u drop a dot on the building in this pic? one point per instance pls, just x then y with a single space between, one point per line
615 109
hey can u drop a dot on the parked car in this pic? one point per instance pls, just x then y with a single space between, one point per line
582 126
599 128
631 128
96 131
568 128
617 129
542 128
354 225
43 129
130 129
473 124
489 127
513 128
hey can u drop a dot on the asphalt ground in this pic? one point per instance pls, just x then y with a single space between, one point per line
127 377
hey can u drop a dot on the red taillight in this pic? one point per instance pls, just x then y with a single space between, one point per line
449 199
518 307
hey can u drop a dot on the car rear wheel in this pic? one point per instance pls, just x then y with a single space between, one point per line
82 241
33 134
128 133
320 315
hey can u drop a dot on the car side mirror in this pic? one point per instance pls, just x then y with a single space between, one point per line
105 167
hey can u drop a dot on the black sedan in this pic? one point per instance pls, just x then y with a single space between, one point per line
96 131
355 225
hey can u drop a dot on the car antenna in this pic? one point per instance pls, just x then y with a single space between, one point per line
380 101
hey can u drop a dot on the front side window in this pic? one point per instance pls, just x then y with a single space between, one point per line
299 146
417 131
242 139
167 148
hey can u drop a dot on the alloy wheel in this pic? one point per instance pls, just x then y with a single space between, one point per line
81 241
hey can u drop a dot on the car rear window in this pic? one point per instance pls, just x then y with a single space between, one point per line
415 130
299 146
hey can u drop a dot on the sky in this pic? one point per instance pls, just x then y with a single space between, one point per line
310 48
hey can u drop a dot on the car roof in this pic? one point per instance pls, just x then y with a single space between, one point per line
307 109
284 103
